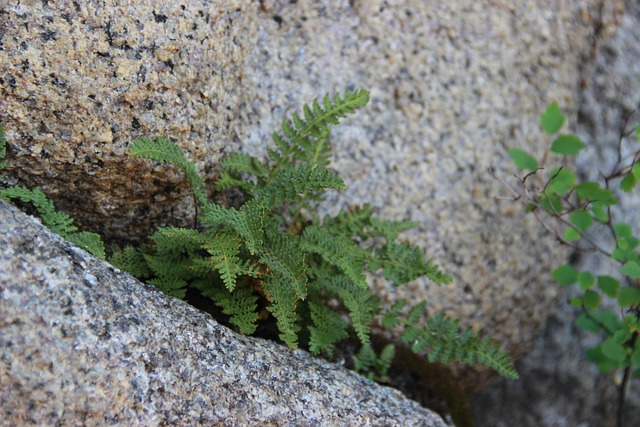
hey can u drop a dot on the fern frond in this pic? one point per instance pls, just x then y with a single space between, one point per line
238 164
240 305
90 242
175 241
385 360
391 229
163 150
291 183
284 308
245 163
170 275
287 261
327 329
444 340
360 302
131 260
372 366
306 139
401 263
352 222
318 119
224 249
248 222
58 222
172 286
336 250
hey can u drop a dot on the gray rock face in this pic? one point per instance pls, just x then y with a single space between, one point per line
82 343
454 84
558 386
80 80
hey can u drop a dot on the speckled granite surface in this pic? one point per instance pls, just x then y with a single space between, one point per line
80 80
84 344
559 387
453 85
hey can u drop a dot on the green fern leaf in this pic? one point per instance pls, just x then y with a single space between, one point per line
444 341
163 150
352 222
132 260
328 328
248 222
176 242
58 222
283 307
291 183
172 286
285 259
360 302
391 229
245 163
306 139
240 305
224 249
401 263
90 242
336 250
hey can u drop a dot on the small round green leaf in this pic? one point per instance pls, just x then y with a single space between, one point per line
581 219
522 159
623 230
561 181
585 322
585 280
628 183
631 269
599 213
613 351
576 302
608 285
552 119
591 300
635 357
568 145
629 297
571 235
565 275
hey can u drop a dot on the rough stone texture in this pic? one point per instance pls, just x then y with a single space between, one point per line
80 80
84 344
558 386
453 85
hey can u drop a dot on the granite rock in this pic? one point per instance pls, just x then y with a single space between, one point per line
82 343
80 80
453 85
558 386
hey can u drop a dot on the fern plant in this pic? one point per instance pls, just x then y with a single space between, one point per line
267 259
56 221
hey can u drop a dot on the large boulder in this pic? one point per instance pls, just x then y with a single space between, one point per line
454 84
558 386
83 343
80 80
